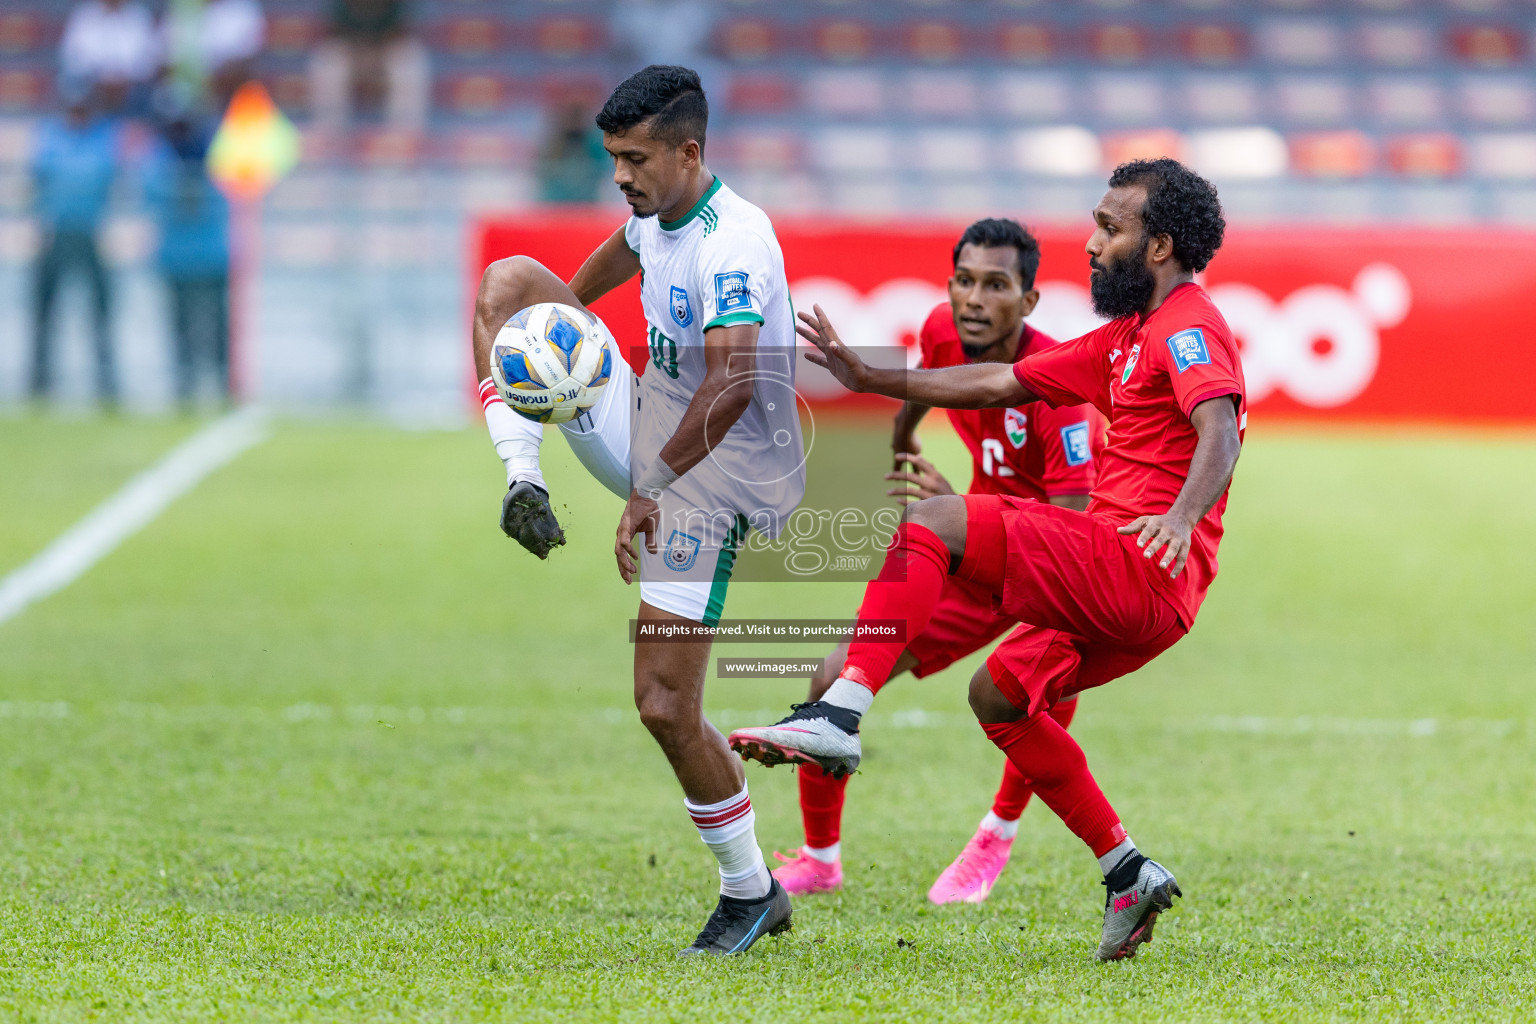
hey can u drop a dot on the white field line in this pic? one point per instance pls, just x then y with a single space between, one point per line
130 510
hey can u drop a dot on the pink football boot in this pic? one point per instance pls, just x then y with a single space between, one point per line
804 875
971 877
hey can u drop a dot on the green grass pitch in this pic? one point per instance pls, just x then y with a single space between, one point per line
320 744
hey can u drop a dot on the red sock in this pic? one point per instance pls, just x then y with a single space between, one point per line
907 590
1014 793
1054 764
821 805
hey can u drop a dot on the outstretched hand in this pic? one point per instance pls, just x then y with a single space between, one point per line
837 358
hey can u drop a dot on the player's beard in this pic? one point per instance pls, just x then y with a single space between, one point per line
1123 287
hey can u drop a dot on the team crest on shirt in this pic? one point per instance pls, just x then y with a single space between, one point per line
1130 362
682 310
1188 348
731 291
1015 425
682 551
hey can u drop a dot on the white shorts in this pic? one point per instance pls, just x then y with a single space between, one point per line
695 554
600 436
689 573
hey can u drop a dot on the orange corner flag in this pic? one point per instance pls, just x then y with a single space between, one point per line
255 145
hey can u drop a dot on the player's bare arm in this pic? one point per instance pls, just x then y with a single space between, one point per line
729 357
610 265
904 432
1210 470
972 386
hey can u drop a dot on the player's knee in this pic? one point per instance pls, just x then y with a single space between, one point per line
504 282
663 712
944 514
988 702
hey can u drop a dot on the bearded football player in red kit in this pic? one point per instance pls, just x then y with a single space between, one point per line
1098 593
1032 452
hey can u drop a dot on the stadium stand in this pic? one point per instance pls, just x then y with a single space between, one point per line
1322 110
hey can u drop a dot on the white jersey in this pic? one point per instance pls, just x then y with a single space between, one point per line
718 265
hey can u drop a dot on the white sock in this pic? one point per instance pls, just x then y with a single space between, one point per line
1000 826
728 829
1108 862
846 693
826 854
517 438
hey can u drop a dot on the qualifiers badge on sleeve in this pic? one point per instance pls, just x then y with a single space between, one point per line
731 291
1188 348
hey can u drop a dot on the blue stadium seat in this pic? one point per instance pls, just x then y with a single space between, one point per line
1301 42
847 92
952 95
849 148
1220 97
1314 100
1128 97
1045 95
952 150
1508 100
1400 101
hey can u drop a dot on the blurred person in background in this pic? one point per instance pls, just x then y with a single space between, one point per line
573 165
75 162
210 46
111 45
372 57
193 218
671 32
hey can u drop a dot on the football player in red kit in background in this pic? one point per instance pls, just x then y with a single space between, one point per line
1034 452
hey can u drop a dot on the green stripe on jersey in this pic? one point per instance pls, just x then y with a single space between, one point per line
698 207
745 316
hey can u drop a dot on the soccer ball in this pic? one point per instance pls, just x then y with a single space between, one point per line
550 362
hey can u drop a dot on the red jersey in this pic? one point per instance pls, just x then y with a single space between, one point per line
1147 374
1032 451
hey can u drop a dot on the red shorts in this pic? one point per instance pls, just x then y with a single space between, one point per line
1084 595
964 621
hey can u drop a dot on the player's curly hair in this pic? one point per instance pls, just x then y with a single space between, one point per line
998 232
1180 204
669 97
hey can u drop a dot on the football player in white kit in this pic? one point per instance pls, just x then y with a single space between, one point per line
704 446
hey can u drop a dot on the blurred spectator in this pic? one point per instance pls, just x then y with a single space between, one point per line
668 32
573 164
73 169
210 46
111 45
372 59
193 217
